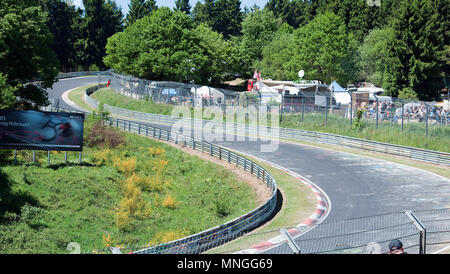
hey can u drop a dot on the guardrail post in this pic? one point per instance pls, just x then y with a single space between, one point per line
291 243
422 231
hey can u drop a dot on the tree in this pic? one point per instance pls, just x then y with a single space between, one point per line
25 55
7 93
292 12
183 5
258 29
167 46
63 20
415 58
324 50
277 7
374 55
139 9
277 54
102 20
223 16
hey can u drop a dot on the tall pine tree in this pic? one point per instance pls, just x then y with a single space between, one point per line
102 20
183 5
63 19
223 16
139 9
416 66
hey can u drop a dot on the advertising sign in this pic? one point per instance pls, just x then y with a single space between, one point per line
37 130
320 101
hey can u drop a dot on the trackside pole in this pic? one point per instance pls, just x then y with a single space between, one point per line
422 231
290 241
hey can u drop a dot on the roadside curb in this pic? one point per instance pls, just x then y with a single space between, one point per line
323 208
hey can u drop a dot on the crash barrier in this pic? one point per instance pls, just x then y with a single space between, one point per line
421 232
77 74
207 239
430 156
169 92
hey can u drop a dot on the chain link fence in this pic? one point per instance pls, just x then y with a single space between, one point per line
420 232
426 231
310 107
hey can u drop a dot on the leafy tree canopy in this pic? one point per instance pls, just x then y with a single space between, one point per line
27 63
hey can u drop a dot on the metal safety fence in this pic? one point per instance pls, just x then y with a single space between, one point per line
205 240
431 156
421 232
425 231
167 92
310 105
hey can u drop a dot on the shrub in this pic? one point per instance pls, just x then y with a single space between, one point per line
102 136
359 124
107 240
170 202
127 166
101 157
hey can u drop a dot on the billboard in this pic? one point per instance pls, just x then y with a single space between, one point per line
41 130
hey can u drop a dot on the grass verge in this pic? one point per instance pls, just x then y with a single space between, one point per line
77 96
298 203
111 199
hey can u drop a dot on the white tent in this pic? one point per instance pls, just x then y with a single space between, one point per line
342 97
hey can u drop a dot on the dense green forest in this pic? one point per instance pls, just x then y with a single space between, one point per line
400 45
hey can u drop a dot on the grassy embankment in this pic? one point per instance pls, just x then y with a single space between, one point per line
413 135
298 200
139 192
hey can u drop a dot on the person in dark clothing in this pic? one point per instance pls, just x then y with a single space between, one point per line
396 247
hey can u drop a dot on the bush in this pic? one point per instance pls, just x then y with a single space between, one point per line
102 136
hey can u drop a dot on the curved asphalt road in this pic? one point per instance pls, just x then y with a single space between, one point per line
64 85
356 185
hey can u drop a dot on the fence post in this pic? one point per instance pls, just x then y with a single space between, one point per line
403 113
422 231
303 109
377 112
294 247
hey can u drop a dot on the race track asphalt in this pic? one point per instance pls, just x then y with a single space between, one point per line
356 185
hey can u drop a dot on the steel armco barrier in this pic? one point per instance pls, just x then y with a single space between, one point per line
213 237
430 156
205 240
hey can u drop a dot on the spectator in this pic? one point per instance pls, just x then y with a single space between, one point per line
396 247
255 76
